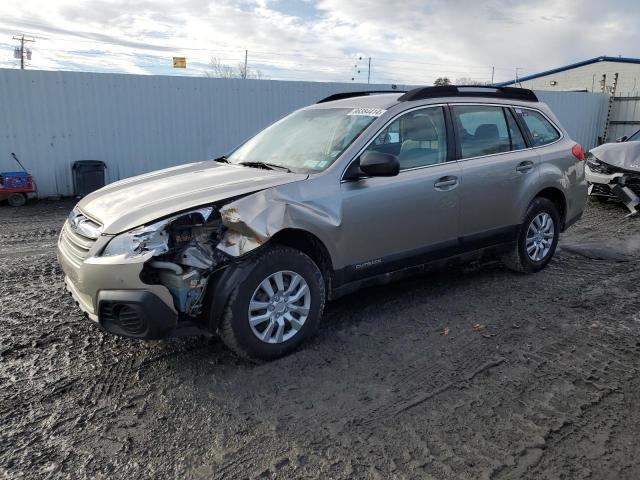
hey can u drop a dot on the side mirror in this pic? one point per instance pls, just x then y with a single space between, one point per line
622 139
378 164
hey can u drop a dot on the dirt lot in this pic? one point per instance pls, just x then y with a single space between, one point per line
548 390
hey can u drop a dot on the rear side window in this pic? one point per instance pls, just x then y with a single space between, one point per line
482 130
541 129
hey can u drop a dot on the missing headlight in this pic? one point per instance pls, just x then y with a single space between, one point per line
188 258
597 166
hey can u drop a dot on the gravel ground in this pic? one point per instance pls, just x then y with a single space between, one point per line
546 387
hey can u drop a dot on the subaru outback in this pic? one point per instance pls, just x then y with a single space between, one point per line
356 190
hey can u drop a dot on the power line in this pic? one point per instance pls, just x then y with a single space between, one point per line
307 63
279 53
312 66
309 56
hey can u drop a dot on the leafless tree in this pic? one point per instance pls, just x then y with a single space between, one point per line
217 69
467 81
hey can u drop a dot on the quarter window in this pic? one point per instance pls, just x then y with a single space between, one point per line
482 130
417 138
542 131
517 140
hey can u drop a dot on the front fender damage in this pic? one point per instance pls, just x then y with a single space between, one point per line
204 243
251 221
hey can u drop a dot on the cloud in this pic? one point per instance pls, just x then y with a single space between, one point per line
409 41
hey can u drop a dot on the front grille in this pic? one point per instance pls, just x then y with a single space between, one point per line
602 190
122 315
74 245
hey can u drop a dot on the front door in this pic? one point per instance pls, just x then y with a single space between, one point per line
393 222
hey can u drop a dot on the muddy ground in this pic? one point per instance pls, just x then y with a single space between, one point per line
548 390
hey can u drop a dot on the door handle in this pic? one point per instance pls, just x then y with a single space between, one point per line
524 167
446 183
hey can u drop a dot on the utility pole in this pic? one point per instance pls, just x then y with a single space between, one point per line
603 83
493 71
357 71
23 51
612 98
246 55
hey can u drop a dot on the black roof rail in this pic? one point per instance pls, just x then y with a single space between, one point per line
340 96
469 91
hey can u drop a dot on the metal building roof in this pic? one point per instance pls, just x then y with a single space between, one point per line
571 66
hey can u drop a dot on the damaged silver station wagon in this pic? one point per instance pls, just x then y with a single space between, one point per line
355 190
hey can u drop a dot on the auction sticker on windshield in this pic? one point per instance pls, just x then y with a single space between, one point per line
367 112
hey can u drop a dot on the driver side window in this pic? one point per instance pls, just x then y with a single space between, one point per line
417 138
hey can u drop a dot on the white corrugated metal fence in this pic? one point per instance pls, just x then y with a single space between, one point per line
625 117
583 114
138 123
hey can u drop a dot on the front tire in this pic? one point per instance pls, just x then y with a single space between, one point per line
537 238
277 307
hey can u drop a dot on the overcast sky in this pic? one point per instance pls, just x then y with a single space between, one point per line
409 41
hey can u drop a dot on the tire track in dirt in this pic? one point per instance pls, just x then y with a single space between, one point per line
546 389
554 359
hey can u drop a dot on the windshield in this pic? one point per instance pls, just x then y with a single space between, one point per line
307 141
635 137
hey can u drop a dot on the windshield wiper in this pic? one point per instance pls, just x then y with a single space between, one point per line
266 166
222 159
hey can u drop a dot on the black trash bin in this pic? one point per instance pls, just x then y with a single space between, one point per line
88 175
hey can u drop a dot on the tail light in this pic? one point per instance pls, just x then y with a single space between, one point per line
577 152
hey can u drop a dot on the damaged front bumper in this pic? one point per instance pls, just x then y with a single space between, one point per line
111 294
606 181
151 282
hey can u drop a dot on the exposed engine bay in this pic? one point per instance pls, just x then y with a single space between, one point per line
613 172
189 248
623 186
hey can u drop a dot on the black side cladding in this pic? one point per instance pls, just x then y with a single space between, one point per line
512 93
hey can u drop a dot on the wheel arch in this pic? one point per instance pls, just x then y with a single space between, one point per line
312 246
556 196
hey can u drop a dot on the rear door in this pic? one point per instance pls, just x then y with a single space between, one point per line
499 170
393 222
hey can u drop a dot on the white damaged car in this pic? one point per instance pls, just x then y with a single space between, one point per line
613 172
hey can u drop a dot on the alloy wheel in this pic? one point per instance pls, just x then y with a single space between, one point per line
540 237
279 307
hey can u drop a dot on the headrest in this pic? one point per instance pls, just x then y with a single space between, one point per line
487 131
419 128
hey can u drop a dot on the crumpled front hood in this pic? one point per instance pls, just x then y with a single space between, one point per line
135 201
622 155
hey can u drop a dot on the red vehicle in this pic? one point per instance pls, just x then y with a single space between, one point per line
15 187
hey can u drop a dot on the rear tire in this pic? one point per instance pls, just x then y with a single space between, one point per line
537 238
17 199
288 321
